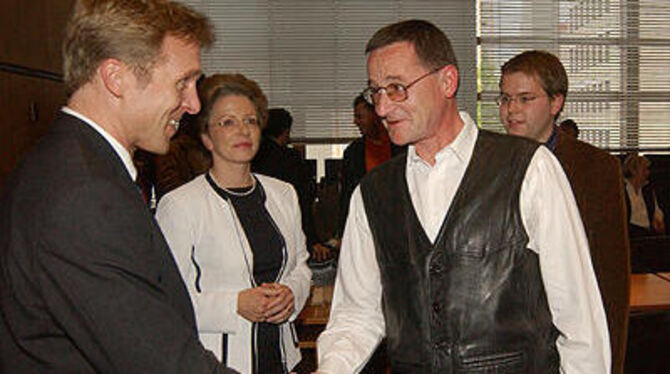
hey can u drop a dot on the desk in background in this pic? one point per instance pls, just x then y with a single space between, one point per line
649 324
649 291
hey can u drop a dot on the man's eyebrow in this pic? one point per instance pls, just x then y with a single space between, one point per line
388 78
192 74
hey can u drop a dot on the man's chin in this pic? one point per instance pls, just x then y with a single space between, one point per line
161 148
516 131
397 138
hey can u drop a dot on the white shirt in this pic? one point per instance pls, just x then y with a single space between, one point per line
638 208
123 153
556 234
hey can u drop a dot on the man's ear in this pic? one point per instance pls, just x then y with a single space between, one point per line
556 104
449 80
112 73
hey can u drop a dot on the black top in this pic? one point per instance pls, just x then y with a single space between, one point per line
287 164
267 245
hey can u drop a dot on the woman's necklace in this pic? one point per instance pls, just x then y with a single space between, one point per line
235 193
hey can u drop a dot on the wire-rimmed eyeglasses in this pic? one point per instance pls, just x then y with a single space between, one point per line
395 91
523 99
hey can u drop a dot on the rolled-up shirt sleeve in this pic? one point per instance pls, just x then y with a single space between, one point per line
356 323
556 233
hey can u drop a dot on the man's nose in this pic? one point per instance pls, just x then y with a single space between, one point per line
190 101
383 105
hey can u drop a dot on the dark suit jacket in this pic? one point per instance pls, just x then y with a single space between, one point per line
353 169
597 183
88 283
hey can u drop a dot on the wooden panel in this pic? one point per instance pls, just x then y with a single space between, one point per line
31 32
20 128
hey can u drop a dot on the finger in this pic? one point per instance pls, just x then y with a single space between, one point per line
278 305
282 316
267 291
275 305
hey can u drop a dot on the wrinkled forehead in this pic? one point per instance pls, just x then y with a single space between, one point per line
392 63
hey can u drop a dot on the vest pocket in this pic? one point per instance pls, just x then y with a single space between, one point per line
503 362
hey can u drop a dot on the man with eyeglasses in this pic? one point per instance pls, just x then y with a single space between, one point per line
468 254
533 88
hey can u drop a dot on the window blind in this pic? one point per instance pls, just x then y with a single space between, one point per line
308 56
616 54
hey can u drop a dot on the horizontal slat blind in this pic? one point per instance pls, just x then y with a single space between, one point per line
308 56
616 54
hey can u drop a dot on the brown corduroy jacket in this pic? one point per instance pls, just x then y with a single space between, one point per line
597 183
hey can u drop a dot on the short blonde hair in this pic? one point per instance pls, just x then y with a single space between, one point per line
633 163
217 86
129 30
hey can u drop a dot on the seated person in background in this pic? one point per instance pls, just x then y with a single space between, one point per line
533 88
276 159
645 217
236 237
373 148
186 159
569 127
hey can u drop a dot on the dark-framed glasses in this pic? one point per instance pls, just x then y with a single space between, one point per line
395 91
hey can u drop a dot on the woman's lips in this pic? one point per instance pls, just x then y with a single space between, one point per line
243 145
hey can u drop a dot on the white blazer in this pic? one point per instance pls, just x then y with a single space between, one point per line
209 246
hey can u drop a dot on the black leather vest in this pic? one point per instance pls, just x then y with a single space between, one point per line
474 301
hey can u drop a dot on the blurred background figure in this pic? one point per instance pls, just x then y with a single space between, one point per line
645 217
236 237
373 148
569 127
276 159
186 159
533 89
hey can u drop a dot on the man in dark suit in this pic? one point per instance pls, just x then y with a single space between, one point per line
276 159
87 282
533 87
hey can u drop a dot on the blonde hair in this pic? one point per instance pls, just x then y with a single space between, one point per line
633 163
217 86
129 30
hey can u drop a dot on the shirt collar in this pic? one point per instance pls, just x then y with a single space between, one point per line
553 139
461 147
123 153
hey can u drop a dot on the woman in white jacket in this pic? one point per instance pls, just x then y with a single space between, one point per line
237 239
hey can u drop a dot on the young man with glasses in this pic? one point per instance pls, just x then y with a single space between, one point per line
533 88
468 255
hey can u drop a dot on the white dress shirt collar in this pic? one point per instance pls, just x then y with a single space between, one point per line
461 147
118 148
